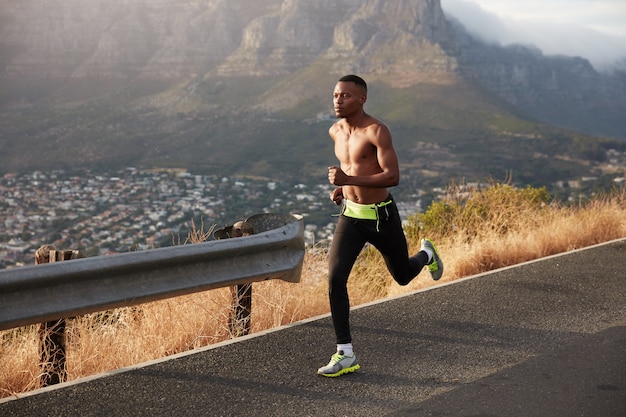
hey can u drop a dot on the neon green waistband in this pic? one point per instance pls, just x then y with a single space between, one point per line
362 211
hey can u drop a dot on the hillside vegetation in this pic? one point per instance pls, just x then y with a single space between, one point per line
476 230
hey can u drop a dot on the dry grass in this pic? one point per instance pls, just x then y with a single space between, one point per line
507 233
554 229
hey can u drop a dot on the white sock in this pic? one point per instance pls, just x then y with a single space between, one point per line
346 348
428 252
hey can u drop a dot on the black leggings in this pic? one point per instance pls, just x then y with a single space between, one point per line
386 235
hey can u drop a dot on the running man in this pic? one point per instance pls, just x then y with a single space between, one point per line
368 165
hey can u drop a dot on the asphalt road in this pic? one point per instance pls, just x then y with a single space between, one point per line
546 338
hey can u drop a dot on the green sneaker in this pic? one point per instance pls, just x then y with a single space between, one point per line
339 364
435 267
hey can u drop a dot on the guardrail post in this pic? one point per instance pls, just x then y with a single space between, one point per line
52 333
239 321
239 324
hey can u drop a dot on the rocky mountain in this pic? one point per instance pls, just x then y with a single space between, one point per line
196 82
173 39
560 90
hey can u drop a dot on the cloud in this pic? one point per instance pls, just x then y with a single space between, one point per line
592 30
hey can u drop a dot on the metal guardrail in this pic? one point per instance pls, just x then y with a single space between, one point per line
41 293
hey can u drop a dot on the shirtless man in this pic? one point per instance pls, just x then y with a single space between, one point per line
368 165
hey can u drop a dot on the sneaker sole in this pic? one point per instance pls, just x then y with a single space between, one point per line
343 371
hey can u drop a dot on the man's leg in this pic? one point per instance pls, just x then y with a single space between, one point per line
346 245
391 243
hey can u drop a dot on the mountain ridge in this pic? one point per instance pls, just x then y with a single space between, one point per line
235 85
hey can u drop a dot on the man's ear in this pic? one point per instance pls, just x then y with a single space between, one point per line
363 99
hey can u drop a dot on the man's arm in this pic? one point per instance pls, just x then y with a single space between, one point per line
387 157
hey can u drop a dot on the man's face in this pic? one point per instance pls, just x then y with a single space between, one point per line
348 99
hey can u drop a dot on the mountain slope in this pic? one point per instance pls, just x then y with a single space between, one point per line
243 87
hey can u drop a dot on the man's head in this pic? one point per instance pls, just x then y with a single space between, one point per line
356 80
349 96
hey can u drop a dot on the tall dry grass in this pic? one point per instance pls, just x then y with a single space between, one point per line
475 230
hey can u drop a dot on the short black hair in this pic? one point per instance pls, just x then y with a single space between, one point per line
354 79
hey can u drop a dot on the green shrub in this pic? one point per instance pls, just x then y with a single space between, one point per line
474 210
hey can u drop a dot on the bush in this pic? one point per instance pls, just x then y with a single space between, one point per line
499 208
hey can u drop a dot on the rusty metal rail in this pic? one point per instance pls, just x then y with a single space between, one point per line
40 293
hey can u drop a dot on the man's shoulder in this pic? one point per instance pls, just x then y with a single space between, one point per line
375 125
339 123
376 121
338 126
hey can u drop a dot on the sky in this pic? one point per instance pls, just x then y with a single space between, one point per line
592 29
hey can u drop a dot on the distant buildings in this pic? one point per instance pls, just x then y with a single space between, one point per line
134 209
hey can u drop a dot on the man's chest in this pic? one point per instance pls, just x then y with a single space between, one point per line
354 149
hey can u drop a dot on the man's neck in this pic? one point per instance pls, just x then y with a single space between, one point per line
355 121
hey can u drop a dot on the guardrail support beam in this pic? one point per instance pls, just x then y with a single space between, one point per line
52 347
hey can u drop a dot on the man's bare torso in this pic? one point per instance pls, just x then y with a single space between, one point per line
356 150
